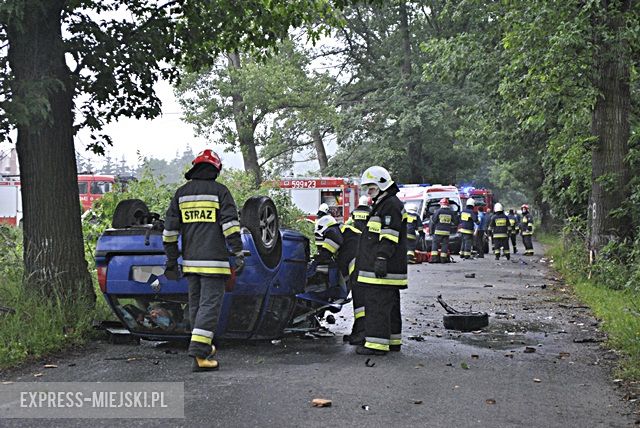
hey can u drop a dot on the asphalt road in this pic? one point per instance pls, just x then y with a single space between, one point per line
441 378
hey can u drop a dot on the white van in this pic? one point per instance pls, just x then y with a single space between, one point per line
427 197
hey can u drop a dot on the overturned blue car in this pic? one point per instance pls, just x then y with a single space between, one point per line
278 291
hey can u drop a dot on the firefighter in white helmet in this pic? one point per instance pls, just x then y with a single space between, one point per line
468 220
414 229
499 230
382 264
358 219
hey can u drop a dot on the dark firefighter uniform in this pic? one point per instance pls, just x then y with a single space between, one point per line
526 227
347 265
441 223
204 213
357 220
382 269
359 217
328 239
515 229
414 228
499 230
468 218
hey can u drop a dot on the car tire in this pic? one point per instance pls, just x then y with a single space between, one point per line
260 217
466 322
130 212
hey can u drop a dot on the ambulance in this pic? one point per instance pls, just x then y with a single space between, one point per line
307 193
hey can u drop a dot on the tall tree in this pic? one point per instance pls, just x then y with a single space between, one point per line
269 109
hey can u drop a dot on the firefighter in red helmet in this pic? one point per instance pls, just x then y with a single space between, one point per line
526 228
204 214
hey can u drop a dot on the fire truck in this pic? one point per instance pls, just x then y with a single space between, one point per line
90 187
10 201
307 193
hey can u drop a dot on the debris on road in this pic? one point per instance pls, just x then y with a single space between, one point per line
50 366
488 286
507 298
417 338
417 401
470 275
588 340
562 305
465 366
369 363
463 321
490 401
320 402
365 407
536 380
529 350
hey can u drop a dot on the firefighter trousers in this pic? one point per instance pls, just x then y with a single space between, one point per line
383 323
412 244
479 243
358 298
205 300
513 242
528 245
499 243
467 240
441 241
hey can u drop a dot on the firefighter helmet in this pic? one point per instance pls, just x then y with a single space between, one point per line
525 207
411 208
444 202
364 200
376 175
208 156
471 202
498 207
323 208
322 224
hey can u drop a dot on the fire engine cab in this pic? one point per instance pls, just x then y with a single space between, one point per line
10 201
307 193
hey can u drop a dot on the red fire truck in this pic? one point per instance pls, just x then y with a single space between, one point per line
90 187
10 201
307 193
483 199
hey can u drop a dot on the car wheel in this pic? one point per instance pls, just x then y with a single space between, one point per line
466 321
130 212
260 217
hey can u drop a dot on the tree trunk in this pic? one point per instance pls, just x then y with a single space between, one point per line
244 125
53 244
414 148
610 124
320 151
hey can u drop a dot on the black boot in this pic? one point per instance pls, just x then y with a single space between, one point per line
361 350
356 339
395 348
497 256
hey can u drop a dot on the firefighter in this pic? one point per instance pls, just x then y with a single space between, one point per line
323 210
484 217
204 213
328 239
347 265
358 222
382 264
441 223
526 227
468 221
360 215
414 229
515 228
499 230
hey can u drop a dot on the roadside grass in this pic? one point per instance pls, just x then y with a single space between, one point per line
619 310
39 327
36 327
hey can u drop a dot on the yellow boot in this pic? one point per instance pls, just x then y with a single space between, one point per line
204 364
